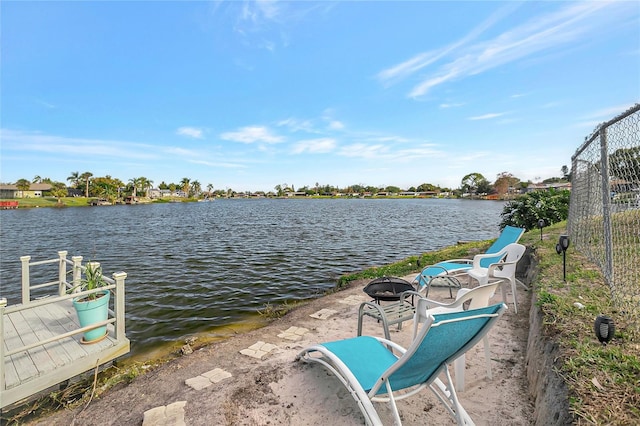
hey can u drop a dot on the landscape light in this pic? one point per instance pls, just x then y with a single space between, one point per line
541 225
604 328
561 247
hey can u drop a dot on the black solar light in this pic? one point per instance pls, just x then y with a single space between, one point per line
541 225
561 247
604 328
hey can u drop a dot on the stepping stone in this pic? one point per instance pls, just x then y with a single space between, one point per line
323 314
207 379
258 350
165 415
352 300
293 333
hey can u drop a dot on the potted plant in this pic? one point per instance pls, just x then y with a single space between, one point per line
93 307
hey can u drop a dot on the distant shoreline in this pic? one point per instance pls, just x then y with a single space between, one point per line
27 203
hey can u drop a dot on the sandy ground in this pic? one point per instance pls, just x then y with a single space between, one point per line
277 390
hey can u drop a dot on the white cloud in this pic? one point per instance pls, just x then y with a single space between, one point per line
192 132
487 116
315 146
424 59
452 105
336 125
541 33
251 134
296 125
608 113
78 147
363 150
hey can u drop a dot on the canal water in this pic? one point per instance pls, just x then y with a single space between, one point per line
198 267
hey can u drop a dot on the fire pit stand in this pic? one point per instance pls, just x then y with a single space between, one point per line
387 289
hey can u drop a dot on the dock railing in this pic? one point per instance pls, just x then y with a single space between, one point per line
64 291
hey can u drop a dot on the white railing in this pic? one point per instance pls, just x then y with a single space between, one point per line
64 291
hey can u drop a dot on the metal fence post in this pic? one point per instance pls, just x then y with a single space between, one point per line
606 210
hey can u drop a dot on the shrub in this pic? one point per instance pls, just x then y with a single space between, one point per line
552 206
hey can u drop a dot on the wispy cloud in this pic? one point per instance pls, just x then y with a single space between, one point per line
487 116
296 125
465 57
192 132
336 125
599 116
252 134
78 147
45 104
425 59
265 23
608 113
451 105
315 146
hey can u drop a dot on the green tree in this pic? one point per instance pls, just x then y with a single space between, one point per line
23 185
59 190
475 183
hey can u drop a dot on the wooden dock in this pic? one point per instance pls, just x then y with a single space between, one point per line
42 339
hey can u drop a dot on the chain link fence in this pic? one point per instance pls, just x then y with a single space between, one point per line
604 212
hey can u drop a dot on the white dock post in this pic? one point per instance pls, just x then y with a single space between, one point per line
26 290
77 272
62 273
118 305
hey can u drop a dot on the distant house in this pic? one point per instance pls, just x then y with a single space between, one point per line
621 185
559 186
35 191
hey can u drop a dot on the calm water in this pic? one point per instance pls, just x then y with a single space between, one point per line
193 267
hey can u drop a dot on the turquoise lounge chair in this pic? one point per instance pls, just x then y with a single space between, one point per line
373 373
448 270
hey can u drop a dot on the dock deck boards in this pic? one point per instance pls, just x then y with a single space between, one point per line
37 369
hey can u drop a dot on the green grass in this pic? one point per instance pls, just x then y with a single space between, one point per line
603 381
50 202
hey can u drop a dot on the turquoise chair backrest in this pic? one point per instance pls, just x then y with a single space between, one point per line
510 234
442 344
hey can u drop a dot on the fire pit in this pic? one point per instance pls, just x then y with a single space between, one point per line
387 288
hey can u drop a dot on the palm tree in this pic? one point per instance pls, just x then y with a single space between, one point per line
184 185
134 184
195 188
146 185
59 190
85 177
74 179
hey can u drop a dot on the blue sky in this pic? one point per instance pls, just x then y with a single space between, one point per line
249 95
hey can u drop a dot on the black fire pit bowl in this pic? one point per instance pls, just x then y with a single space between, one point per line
387 288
